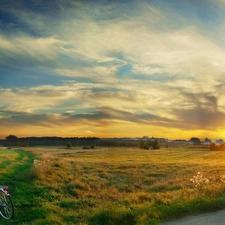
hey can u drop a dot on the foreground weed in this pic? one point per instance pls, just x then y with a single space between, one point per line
199 181
202 183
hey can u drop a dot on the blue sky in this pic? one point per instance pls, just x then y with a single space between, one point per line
112 68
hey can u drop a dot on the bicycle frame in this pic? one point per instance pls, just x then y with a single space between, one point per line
6 204
5 189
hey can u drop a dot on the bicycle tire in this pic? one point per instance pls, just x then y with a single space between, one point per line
6 206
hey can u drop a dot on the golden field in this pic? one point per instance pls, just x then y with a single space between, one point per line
116 185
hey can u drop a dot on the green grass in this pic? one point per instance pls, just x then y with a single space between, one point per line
110 186
16 172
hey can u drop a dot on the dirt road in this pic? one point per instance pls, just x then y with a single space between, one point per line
214 218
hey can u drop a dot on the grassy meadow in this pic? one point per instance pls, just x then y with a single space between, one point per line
111 186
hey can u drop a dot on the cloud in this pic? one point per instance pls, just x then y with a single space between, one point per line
36 99
202 112
94 73
202 100
145 63
27 51
199 118
140 41
181 55
22 118
98 117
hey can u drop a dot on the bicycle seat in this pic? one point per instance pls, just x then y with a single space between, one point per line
3 187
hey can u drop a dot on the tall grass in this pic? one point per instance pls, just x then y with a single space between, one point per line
124 186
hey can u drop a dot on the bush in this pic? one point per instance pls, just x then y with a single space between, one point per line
92 146
69 145
215 147
149 144
86 147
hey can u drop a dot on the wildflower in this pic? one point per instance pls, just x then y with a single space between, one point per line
199 180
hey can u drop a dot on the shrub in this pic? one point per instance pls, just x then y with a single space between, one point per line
142 145
69 145
215 147
149 144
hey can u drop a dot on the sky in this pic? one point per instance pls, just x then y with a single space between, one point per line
108 68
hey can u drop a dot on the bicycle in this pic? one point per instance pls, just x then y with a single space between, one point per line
6 203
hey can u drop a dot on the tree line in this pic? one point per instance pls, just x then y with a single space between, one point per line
13 140
88 142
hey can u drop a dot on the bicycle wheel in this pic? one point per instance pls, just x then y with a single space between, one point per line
6 206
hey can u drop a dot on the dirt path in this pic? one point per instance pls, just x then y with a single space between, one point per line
214 218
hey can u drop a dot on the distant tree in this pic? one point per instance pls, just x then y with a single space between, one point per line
215 147
69 145
11 140
155 144
142 144
212 146
149 144
195 141
222 147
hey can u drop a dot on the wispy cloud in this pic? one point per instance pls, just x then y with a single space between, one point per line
118 65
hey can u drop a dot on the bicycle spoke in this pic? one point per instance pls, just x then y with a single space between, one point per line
6 206
8 212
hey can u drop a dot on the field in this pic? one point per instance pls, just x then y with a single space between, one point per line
111 186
